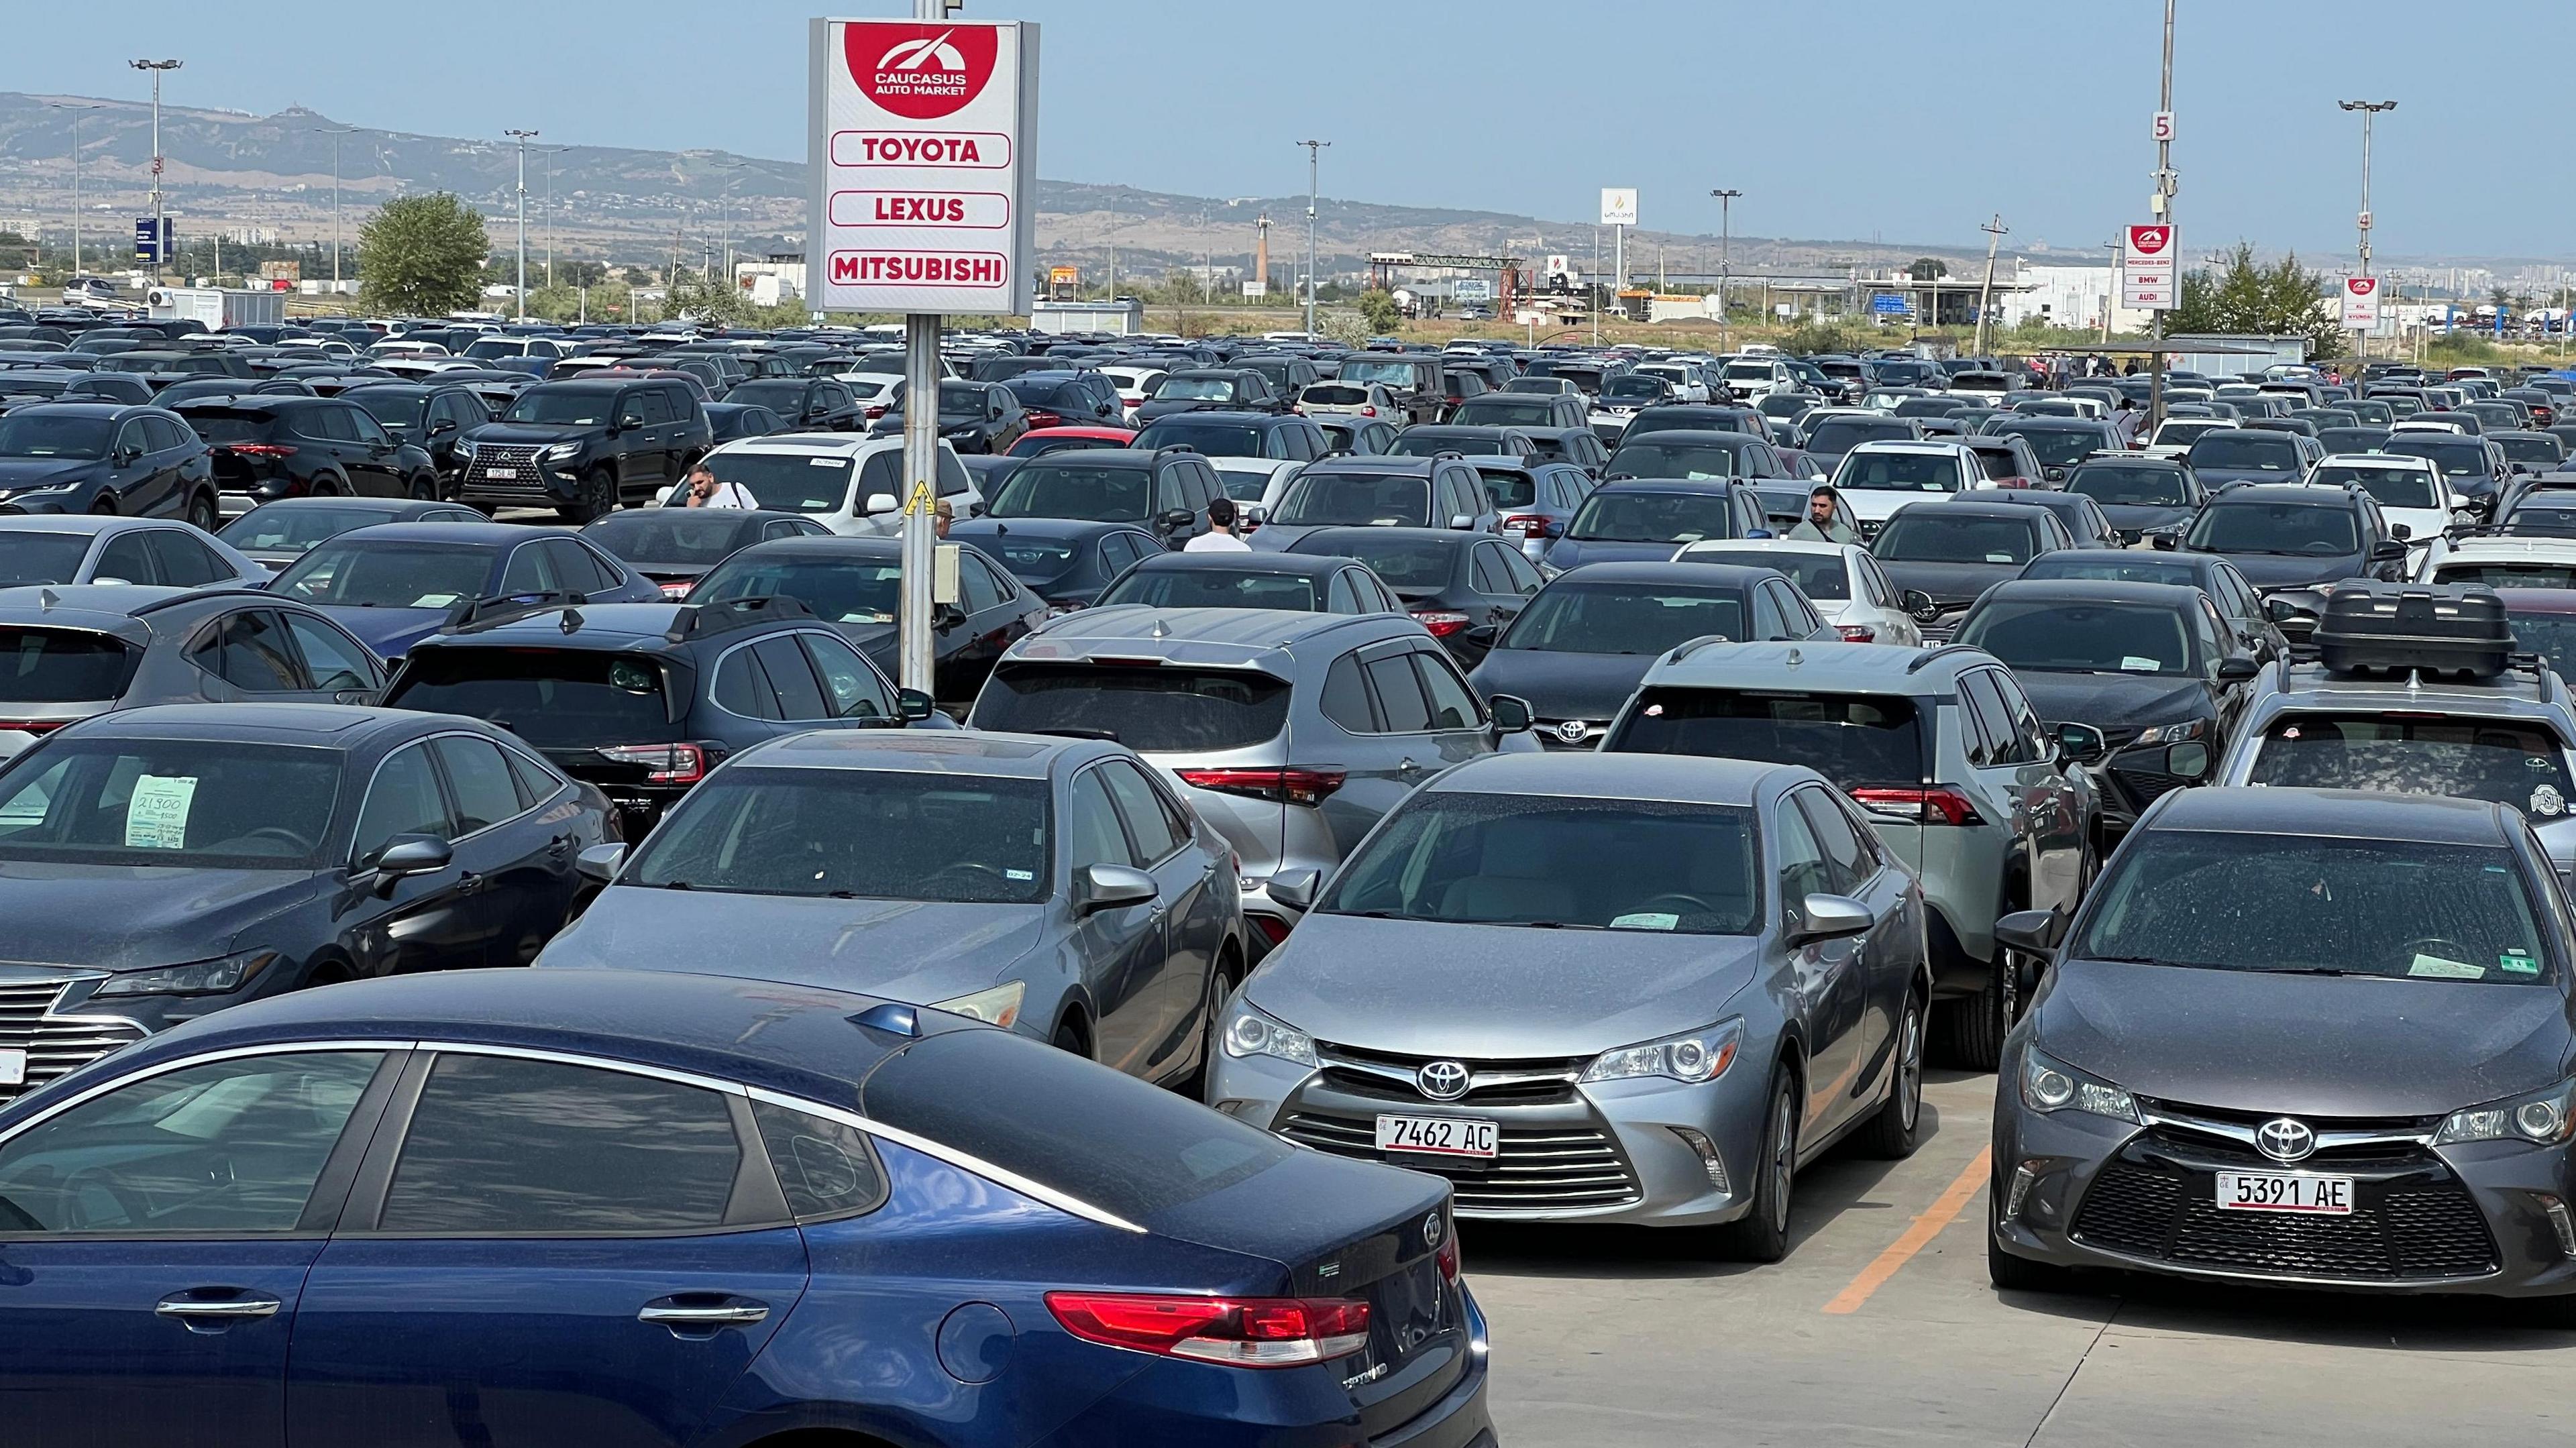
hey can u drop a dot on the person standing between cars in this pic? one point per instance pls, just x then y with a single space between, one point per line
706 492
2127 420
1820 524
941 515
1219 538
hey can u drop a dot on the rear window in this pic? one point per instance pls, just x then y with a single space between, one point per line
1842 434
30 557
2138 487
1935 535
2500 761
63 666
1105 1138
219 428
552 698
1498 409
1212 588
2250 452
1385 500
667 535
1851 739
1147 707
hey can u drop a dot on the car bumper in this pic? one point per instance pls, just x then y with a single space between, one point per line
2076 1190
1609 1152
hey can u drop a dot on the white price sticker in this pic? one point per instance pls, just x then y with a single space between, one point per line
156 818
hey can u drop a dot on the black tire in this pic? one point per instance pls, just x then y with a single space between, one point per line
326 488
202 514
424 489
105 507
2009 1273
1973 1027
1763 1234
598 498
1897 1129
1223 981
1069 1036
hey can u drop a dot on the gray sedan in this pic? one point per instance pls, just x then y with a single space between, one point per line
1598 988
1056 887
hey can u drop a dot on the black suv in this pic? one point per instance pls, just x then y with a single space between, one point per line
432 416
98 457
1166 490
809 404
1209 389
585 448
2296 535
642 699
266 448
974 417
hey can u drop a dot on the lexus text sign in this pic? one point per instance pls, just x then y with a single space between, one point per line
2360 303
924 155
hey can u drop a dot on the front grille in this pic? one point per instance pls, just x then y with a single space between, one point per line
1540 1168
54 1046
1492 1083
2420 1228
525 482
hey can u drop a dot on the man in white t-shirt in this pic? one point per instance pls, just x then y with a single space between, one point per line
706 492
1219 538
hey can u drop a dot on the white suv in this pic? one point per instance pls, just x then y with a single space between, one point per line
851 485
1878 478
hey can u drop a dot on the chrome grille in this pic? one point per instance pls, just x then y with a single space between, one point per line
525 480
1540 1168
54 1046
1391 1076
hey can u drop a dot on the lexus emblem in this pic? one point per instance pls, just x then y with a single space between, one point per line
1573 731
1442 1080
1433 1229
2283 1139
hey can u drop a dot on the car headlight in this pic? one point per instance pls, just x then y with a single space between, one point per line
999 1006
1701 1055
2173 733
1254 1032
2543 1117
2049 1085
467 447
203 977
561 452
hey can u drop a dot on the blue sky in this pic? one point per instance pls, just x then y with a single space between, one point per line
1844 122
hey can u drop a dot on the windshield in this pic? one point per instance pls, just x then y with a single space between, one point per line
2268 903
2394 487
1624 619
1851 739
1195 389
2056 636
1634 387
41 557
2457 458
187 802
2500 761
2242 451
1820 576
1213 439
1398 375
63 666
1212 588
1498 410
668 535
2298 529
1159 709
1385 500
928 836
387 573
1842 434
1608 517
1509 487
842 590
2059 447
54 435
1497 859
552 698
564 407
2121 483
1908 472
1043 488
1692 461
1939 535
787 482
398 413
295 527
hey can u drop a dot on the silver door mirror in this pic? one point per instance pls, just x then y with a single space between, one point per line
601 862
879 503
1829 917
1110 887
1295 888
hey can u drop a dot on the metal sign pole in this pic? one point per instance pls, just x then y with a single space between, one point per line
921 491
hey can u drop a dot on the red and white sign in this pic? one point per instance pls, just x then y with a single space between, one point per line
2153 242
2163 128
2360 303
2147 277
923 158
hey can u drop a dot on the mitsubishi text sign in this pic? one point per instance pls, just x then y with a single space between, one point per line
924 155
2360 303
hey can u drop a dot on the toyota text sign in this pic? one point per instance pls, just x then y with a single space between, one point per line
924 155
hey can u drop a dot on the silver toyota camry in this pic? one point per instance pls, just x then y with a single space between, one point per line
1594 987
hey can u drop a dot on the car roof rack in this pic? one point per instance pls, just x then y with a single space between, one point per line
698 620
476 614
1933 655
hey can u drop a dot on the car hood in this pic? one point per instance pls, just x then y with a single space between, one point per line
903 949
389 631
1952 585
18 473
132 917
2138 517
1562 685
2302 1044
1575 552
1496 991
530 433
2114 703
2290 570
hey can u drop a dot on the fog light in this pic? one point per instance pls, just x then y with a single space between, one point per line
1709 1160
2024 1176
2559 1221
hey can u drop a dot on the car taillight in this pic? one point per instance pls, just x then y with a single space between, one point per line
875 412
1044 419
1936 805
1534 525
677 587
1287 786
1369 411
1441 622
1857 633
1447 1257
1242 1332
663 763
34 726
2014 482
258 450
1274 931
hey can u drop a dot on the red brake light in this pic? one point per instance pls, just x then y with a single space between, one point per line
1288 786
1243 1332
1369 411
663 763
1274 931
677 587
1044 419
1535 525
1934 805
1441 622
1857 633
34 726
258 449
1447 1257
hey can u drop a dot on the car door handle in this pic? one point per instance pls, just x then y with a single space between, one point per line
678 1316
470 882
561 845
193 1310
1407 766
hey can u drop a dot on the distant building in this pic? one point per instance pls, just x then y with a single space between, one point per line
2063 296
1125 316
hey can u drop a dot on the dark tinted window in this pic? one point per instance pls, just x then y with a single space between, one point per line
853 689
1345 699
1851 739
1453 705
1399 694
825 1168
185 562
742 687
32 557
250 651
169 802
1213 588
1849 857
2246 452
125 559
540 1148
1149 820
552 698
1585 618
403 799
799 696
1326 499
1644 517
2250 526
485 792
387 573
62 666
1939 535
1147 709
2122 483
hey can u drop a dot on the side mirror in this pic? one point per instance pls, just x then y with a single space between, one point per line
1295 888
2164 542
946 616
600 862
1829 917
411 855
630 419
2388 550
2237 669
879 503
2032 932
1110 887
2402 531
1511 713
911 705
1177 518
2188 760
1461 520
442 427
2281 610
2082 743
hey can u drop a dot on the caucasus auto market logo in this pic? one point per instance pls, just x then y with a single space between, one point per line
920 71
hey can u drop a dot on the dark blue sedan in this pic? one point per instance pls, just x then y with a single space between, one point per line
613 1210
396 583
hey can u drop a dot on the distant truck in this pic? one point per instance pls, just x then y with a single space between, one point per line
216 308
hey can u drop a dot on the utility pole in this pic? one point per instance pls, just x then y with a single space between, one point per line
1725 261
1994 231
2369 110
523 138
2161 204
2111 293
913 633
335 136
75 109
160 223
1314 149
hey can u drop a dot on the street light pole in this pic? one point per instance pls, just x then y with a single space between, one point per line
1994 231
2162 205
160 225
335 136
75 109
2369 110
1314 149
523 138
1725 259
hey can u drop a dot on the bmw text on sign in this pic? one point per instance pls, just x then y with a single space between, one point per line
923 147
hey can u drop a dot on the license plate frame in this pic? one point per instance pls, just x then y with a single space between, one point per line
504 474
1465 1138
2297 1193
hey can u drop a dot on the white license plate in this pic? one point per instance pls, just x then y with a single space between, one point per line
2267 1191
500 472
13 1068
1437 1136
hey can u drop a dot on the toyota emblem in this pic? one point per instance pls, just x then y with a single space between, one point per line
2283 1139
1573 731
1433 1229
1442 1080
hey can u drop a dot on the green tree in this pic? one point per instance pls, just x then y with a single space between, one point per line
422 255
1927 268
1378 309
2249 299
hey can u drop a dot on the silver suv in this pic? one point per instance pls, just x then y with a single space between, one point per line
1990 807
1291 733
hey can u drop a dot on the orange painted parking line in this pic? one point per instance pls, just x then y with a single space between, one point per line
1940 1214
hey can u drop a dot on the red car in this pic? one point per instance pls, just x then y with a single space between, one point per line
1040 440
